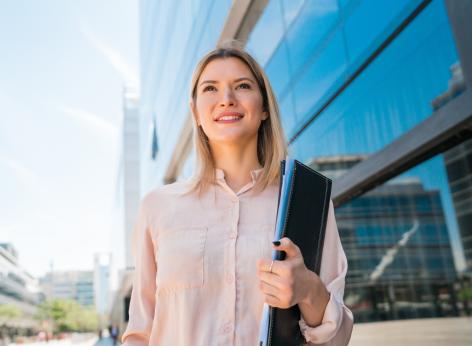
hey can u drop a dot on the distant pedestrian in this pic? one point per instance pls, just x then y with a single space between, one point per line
114 334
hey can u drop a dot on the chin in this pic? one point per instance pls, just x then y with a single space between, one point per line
231 138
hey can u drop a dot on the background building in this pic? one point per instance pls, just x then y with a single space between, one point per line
128 196
130 169
101 278
379 90
76 285
18 288
397 244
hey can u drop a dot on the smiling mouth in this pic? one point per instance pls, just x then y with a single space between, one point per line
230 118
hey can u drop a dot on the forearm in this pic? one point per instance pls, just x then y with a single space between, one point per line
313 307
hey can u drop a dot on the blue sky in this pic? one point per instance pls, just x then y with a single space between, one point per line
63 66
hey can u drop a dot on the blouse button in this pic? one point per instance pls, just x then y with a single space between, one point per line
229 278
226 328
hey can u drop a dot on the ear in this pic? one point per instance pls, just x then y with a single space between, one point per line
194 111
265 115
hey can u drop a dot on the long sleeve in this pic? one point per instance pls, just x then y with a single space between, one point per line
141 310
336 326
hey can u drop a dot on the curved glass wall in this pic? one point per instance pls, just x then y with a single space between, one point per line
174 35
392 95
327 42
405 240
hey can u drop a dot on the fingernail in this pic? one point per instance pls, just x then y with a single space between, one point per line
276 242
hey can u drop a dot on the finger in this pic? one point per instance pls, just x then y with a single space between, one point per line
271 279
273 267
272 300
263 265
268 289
290 248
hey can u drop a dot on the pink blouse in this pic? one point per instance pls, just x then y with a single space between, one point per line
195 279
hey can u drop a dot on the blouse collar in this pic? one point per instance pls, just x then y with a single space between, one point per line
255 174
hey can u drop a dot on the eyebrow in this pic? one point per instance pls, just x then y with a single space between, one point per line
235 81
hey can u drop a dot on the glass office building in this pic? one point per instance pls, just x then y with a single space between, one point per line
374 94
173 36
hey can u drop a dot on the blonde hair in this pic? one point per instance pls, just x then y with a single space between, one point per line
271 144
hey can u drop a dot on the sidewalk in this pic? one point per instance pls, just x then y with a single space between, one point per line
105 342
421 332
90 341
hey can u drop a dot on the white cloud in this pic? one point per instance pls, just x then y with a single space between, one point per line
91 120
119 63
391 253
22 172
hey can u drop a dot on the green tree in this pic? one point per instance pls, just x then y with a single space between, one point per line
68 316
465 294
8 311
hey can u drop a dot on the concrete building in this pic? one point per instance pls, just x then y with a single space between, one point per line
75 285
17 287
128 199
131 165
101 279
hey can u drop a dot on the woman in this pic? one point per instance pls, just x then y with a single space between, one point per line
203 246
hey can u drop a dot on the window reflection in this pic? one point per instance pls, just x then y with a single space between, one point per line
371 21
315 20
279 70
267 33
395 93
459 172
319 77
324 44
398 244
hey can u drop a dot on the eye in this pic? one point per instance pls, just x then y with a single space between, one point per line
209 88
244 86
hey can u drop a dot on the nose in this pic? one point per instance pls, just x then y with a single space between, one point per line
227 98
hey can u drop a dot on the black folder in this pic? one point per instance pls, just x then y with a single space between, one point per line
305 224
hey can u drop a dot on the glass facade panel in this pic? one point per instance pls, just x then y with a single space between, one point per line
309 29
324 44
395 93
291 9
319 77
279 71
287 107
398 246
459 172
371 21
170 49
267 33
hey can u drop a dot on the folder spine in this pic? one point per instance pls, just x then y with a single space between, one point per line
323 226
281 255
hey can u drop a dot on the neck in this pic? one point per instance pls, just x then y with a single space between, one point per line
237 161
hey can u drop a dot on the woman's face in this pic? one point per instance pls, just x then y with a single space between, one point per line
228 102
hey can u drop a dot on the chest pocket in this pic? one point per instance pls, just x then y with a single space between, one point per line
180 259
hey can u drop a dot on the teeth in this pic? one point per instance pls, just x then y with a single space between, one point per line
229 117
